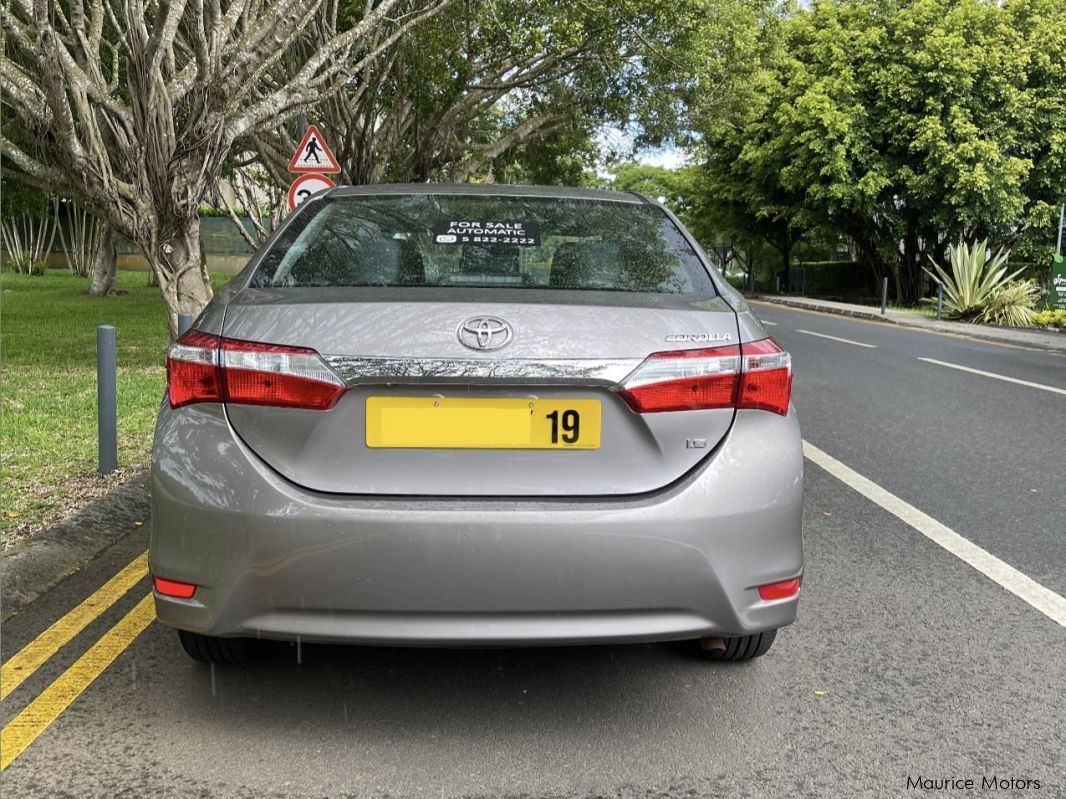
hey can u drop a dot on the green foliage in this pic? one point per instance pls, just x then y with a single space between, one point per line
566 157
470 93
17 199
974 279
674 186
895 122
25 265
1012 305
739 282
1050 318
48 424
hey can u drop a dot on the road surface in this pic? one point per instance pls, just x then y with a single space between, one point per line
930 643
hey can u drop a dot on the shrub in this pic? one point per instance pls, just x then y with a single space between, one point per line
1050 318
739 282
1012 305
974 279
25 265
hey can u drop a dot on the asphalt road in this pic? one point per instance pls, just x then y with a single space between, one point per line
906 662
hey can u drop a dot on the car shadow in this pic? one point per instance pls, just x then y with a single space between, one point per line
480 692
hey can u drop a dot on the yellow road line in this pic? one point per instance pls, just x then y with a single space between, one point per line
42 711
40 649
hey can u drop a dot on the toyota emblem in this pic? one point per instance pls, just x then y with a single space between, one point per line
485 333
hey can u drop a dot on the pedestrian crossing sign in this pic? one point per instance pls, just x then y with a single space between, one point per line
314 155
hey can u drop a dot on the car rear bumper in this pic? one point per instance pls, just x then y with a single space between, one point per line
276 561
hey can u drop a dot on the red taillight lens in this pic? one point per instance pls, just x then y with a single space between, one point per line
684 380
756 375
206 368
766 380
192 369
174 588
781 590
269 374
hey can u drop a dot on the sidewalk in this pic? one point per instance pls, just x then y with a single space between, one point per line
1022 337
37 564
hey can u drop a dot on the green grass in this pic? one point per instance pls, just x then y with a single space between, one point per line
48 397
918 310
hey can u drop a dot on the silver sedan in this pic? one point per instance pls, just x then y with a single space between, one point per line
464 415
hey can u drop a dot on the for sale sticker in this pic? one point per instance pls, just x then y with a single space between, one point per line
524 234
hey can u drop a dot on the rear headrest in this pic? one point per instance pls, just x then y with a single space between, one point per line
411 270
480 260
585 264
566 265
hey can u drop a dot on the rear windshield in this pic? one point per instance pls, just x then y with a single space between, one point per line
485 242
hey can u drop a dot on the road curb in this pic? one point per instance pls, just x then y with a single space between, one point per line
38 565
980 332
807 306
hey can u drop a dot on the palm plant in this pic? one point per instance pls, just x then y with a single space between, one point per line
973 280
1012 305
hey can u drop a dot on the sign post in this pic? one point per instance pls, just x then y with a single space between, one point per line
312 161
1057 289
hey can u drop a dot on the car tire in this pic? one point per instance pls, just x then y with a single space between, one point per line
208 649
744 647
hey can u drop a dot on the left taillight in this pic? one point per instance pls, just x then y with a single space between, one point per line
206 368
192 369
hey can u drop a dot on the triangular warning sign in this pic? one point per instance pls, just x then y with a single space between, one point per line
314 155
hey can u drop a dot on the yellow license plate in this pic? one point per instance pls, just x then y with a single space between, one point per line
466 423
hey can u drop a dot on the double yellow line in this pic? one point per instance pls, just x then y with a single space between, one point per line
22 730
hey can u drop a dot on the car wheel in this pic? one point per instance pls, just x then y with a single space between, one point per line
744 647
207 649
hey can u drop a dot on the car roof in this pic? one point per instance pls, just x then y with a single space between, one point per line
489 190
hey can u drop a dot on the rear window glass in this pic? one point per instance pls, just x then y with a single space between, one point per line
486 242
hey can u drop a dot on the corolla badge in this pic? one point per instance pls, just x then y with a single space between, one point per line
700 337
485 333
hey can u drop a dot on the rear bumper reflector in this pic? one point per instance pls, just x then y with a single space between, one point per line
780 590
174 588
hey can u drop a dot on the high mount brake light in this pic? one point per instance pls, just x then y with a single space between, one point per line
756 375
206 368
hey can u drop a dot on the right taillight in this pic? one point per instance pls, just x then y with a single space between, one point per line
756 375
684 380
206 368
766 377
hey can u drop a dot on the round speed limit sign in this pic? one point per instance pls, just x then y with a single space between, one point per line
306 185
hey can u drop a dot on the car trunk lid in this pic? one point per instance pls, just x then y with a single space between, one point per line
391 346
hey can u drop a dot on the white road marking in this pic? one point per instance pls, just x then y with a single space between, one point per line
841 340
1022 586
994 376
768 322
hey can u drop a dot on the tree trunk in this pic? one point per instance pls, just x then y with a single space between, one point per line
180 267
105 263
908 274
786 261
